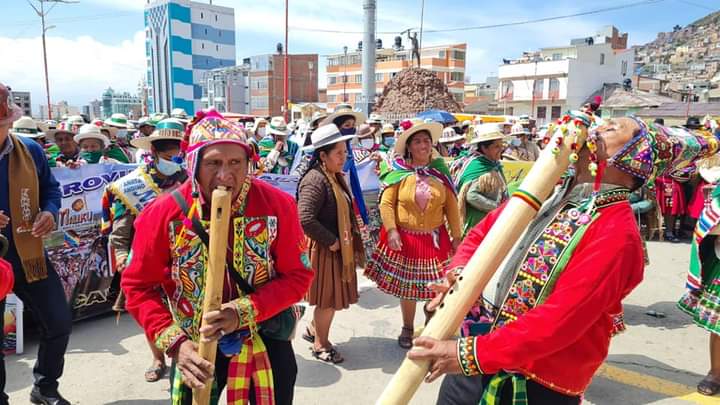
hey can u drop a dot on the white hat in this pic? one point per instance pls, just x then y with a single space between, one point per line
488 132
278 126
117 121
326 135
450 136
343 110
317 116
168 129
90 131
375 118
466 123
70 126
434 128
178 113
519 129
26 127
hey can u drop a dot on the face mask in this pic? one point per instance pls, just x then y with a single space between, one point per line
91 157
347 131
389 141
167 167
261 131
515 142
367 143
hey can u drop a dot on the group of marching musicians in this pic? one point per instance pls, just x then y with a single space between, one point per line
552 306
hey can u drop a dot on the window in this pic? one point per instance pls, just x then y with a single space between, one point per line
217 47
556 56
332 80
260 83
602 58
378 77
215 17
457 76
331 98
357 78
555 112
554 92
202 15
259 102
202 45
538 87
458 55
541 112
623 67
205 31
219 33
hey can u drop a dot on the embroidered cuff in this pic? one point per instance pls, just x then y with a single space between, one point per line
168 338
246 313
466 356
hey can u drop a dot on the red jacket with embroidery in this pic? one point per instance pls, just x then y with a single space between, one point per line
151 260
562 342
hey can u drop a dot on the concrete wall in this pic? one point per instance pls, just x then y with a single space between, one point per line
587 74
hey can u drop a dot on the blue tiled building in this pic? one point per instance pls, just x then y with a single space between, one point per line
183 40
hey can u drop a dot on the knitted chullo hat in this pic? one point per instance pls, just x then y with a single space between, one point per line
657 150
209 127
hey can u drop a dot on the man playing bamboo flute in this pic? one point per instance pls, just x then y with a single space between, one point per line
559 291
267 271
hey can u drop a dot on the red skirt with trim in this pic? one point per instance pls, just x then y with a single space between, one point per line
670 196
407 273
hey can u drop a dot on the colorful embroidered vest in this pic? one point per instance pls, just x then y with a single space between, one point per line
549 255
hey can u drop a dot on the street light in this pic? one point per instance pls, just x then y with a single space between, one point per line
345 75
42 13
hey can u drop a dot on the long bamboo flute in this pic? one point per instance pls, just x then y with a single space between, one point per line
508 228
214 277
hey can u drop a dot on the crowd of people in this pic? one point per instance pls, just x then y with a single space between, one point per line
553 304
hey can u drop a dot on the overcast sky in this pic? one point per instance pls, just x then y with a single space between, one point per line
100 43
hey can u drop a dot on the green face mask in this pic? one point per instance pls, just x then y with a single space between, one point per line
91 157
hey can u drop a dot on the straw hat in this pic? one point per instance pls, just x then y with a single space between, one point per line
450 136
179 113
365 130
343 110
434 128
146 121
26 127
278 127
169 129
326 135
387 129
90 131
317 117
488 132
117 120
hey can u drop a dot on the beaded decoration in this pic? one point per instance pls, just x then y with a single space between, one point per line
466 356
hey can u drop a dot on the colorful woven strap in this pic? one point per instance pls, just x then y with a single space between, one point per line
494 388
252 365
529 199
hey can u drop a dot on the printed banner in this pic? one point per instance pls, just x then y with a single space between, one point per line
76 249
12 325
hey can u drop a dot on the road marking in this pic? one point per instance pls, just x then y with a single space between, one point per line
655 384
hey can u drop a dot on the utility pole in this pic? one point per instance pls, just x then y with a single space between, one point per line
345 62
285 67
42 13
422 20
368 57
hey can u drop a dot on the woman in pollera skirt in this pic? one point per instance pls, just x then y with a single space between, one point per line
417 200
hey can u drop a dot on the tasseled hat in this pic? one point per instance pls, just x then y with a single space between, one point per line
657 150
209 127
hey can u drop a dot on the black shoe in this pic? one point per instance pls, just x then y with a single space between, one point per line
670 237
36 397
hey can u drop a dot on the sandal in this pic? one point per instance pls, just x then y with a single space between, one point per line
307 336
708 386
327 355
406 337
155 373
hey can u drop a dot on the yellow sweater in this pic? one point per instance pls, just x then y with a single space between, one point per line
398 208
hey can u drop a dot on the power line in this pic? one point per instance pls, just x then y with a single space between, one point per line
697 5
508 24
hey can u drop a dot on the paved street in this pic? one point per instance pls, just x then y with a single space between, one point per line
657 361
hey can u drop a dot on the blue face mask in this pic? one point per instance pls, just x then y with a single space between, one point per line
389 141
515 142
347 131
168 167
